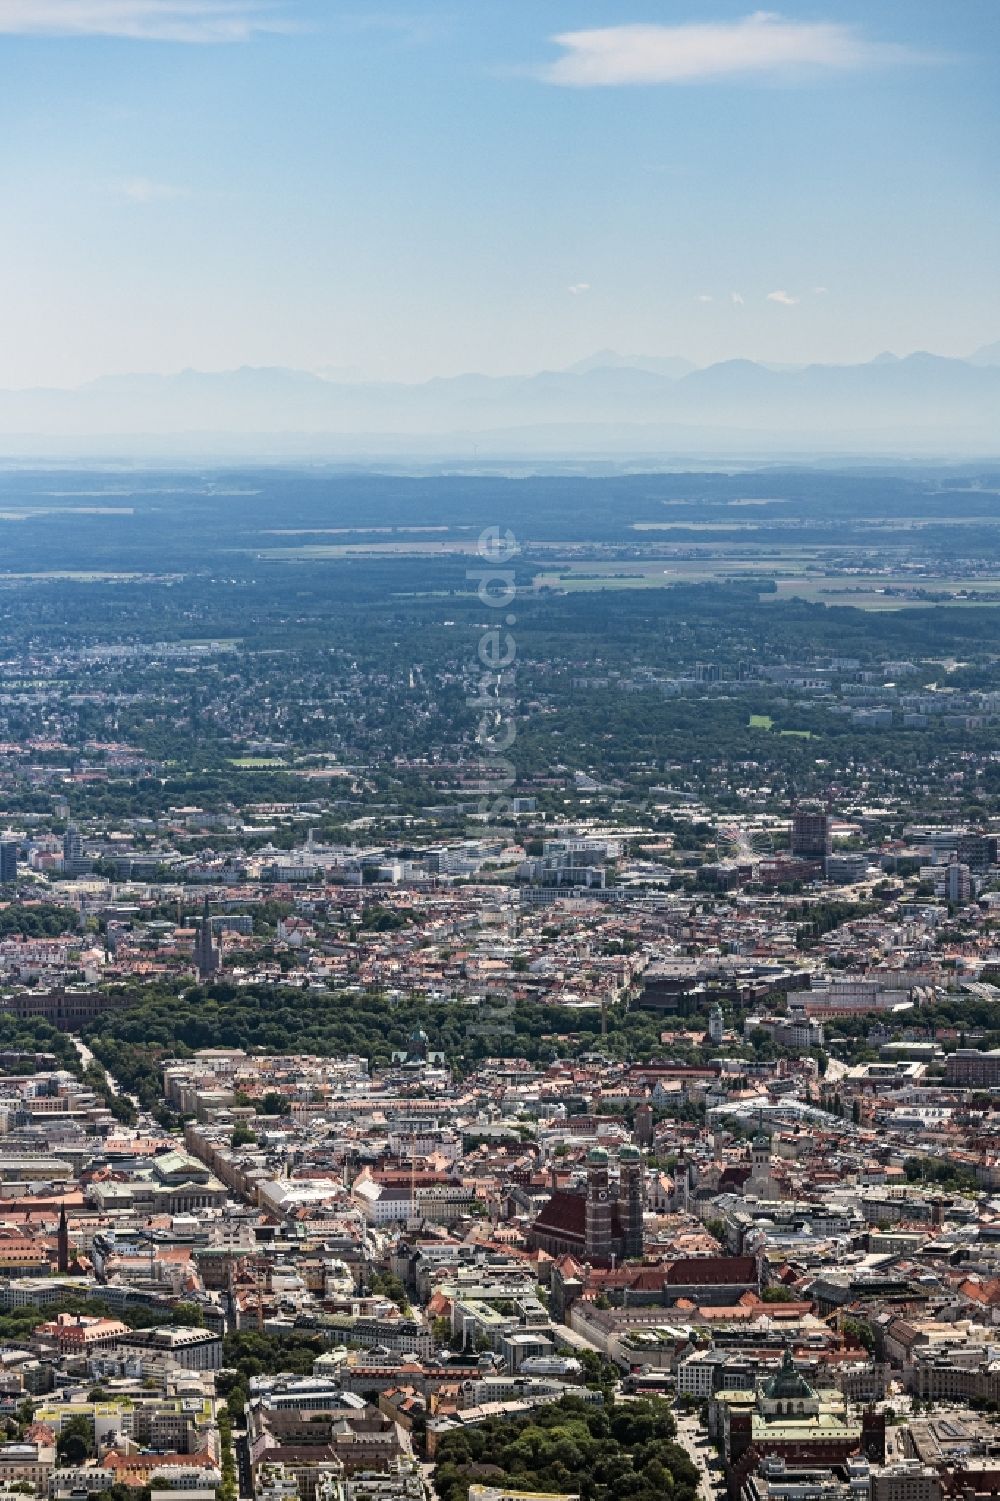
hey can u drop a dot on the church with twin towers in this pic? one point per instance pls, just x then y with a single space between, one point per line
600 1222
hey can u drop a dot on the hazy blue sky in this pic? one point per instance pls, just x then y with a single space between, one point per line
499 185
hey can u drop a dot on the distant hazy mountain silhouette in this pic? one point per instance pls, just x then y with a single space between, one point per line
988 355
614 402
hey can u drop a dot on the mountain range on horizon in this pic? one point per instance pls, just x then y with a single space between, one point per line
606 402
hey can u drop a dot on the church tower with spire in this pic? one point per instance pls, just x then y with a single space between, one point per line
62 1243
206 955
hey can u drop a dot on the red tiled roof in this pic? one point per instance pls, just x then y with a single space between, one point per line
564 1214
709 1271
115 1461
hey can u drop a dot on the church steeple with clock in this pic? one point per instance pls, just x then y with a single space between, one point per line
597 1221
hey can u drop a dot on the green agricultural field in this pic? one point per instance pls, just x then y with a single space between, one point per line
571 583
75 576
765 722
336 551
886 591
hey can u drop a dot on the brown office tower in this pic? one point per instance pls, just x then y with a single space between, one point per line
811 836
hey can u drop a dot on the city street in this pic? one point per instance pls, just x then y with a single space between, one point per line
243 1470
694 1440
87 1058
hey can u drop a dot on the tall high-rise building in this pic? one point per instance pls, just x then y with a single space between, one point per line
957 883
72 847
811 833
8 862
977 851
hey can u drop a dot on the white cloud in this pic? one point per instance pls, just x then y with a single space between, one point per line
785 298
578 288
145 190
763 42
737 298
705 297
821 291
141 20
